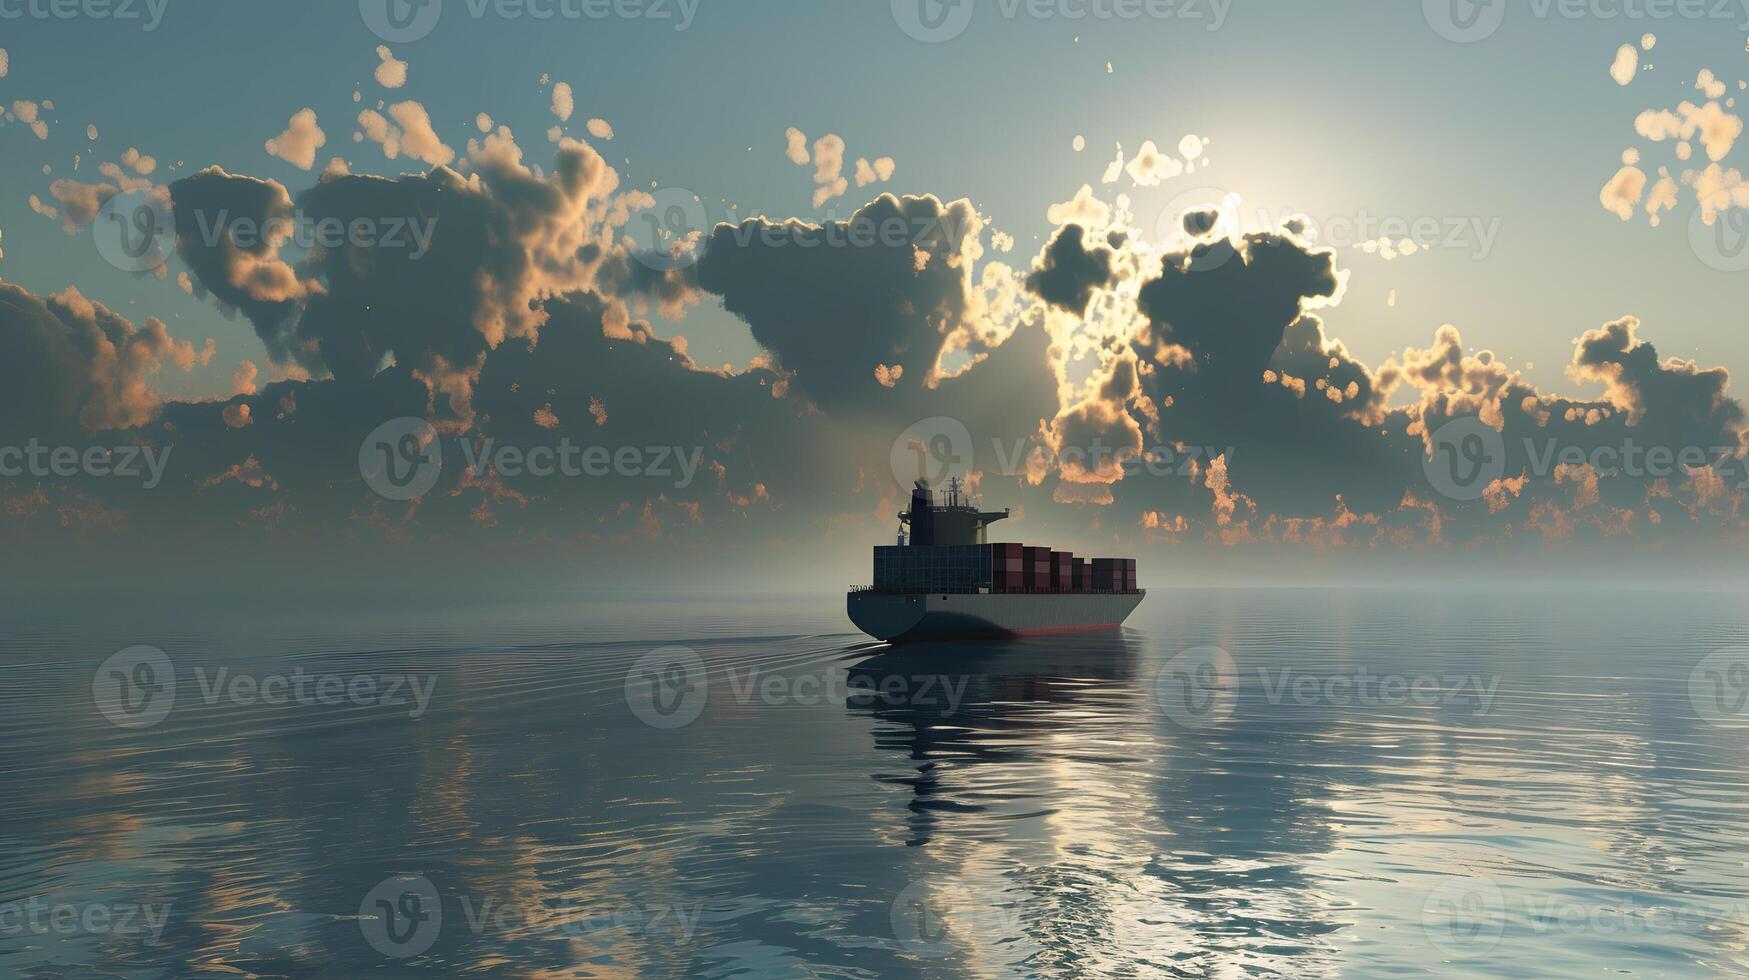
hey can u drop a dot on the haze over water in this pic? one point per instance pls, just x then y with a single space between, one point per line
1353 783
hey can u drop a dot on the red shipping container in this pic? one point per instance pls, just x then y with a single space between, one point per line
1062 571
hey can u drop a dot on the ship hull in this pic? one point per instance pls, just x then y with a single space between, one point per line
936 616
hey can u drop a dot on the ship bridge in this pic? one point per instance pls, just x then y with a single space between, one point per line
954 521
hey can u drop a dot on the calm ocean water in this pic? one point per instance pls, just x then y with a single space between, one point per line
1242 783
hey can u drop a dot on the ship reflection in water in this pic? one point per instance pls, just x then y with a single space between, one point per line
1053 822
1295 783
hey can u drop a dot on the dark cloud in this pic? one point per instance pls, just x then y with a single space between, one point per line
71 365
431 271
835 302
243 272
1069 272
515 327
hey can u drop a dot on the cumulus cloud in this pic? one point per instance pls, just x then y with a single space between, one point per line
499 241
1623 192
1150 167
786 280
1626 65
298 144
1082 209
829 169
521 322
1716 129
1068 272
1114 169
72 361
243 379
563 101
796 147
880 171
406 129
1718 190
29 113
139 162
389 72
600 129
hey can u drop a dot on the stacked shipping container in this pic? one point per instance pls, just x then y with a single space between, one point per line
997 568
1007 567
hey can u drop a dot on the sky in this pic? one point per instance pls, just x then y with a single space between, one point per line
1504 137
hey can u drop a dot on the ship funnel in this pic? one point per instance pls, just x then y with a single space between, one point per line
922 515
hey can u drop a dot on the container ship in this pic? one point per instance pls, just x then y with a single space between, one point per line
945 580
